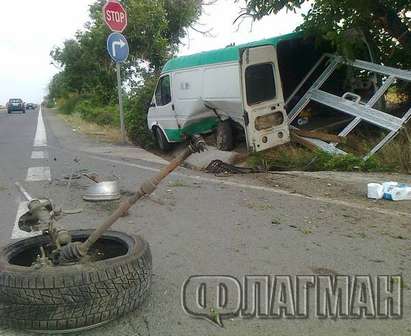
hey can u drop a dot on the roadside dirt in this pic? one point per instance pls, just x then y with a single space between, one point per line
350 187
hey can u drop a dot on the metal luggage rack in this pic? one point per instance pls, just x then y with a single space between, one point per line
350 103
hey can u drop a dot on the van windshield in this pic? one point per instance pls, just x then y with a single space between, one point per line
260 83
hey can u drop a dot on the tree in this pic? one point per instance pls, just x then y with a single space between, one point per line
155 30
384 24
86 83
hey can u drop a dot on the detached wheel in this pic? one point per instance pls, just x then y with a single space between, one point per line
225 138
161 139
114 281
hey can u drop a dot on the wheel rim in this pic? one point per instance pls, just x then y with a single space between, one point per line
105 248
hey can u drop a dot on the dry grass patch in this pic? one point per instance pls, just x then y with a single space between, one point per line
105 133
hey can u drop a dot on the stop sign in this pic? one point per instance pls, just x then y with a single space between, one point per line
115 16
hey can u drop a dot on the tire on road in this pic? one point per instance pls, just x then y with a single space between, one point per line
78 296
225 137
162 141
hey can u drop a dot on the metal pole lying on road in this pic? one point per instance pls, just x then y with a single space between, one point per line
77 250
120 103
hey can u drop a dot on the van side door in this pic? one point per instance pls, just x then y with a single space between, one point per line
265 118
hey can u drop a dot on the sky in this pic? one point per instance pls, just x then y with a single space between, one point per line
31 29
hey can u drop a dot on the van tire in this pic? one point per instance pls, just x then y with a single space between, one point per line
162 141
74 297
225 138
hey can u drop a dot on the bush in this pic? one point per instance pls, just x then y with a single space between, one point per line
136 107
101 115
68 104
50 103
349 162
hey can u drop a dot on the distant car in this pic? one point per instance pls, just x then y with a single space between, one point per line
16 104
30 106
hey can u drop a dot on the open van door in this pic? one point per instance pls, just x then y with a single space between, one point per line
265 118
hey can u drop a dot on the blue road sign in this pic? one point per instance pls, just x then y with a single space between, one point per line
117 47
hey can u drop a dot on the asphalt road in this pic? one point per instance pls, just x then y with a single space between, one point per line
199 224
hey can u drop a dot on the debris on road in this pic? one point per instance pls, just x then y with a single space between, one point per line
72 211
72 177
93 177
99 253
103 191
220 167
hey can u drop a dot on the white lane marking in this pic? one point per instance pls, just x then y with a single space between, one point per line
40 139
265 189
35 174
39 155
17 233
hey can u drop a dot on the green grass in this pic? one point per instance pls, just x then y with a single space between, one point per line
294 157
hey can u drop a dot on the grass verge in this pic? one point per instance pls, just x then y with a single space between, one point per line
394 157
104 133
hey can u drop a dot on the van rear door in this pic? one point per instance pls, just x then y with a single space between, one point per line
265 118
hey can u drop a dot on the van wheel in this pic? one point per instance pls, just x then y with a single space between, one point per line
162 142
225 139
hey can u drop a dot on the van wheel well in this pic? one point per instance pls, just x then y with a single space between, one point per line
161 139
225 136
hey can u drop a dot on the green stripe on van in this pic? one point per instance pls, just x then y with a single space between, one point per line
229 54
199 127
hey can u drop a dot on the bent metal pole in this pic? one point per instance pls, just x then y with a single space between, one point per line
76 250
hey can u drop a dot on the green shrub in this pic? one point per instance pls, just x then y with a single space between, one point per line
349 162
50 103
101 115
136 107
68 104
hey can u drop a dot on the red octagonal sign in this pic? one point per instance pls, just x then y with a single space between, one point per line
115 16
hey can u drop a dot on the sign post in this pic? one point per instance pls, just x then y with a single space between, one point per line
115 17
120 104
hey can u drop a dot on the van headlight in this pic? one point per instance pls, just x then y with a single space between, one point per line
269 121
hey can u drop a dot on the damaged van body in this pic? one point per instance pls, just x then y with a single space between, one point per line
238 87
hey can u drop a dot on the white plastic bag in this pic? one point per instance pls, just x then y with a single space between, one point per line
375 191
